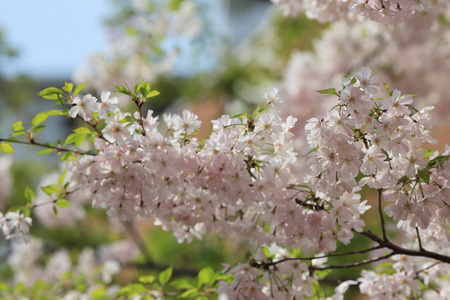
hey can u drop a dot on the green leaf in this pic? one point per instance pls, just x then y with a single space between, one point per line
428 152
50 189
21 132
387 89
57 112
311 151
55 211
61 178
181 283
51 93
6 148
92 151
39 128
247 256
80 88
46 151
17 126
262 107
403 179
424 175
174 5
190 293
266 251
98 294
132 290
68 87
330 91
66 156
39 118
75 138
63 203
165 275
152 94
147 279
29 194
123 90
206 276
82 130
238 116
145 89
138 86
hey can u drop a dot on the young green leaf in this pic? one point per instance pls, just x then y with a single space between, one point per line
50 189
57 112
123 90
330 91
403 179
46 151
51 93
424 175
82 130
17 126
39 118
152 94
61 178
205 276
66 156
68 87
147 279
165 275
29 194
80 88
6 148
63 203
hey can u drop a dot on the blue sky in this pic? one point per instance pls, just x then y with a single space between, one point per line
53 36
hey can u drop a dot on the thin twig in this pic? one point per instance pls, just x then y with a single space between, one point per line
380 211
418 237
34 143
329 255
356 264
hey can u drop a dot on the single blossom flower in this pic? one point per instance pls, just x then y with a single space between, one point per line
84 107
107 104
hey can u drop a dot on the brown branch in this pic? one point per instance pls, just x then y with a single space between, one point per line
400 250
353 265
380 212
328 255
34 143
419 239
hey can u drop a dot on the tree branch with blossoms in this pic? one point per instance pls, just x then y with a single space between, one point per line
247 177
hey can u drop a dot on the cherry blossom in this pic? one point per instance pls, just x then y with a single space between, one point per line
84 107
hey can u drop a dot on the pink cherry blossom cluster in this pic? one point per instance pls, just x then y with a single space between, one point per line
247 178
378 45
15 226
376 10
93 265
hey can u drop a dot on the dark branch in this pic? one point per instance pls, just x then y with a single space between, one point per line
400 250
34 143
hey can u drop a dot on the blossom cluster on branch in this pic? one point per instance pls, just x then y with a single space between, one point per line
377 45
247 178
376 10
